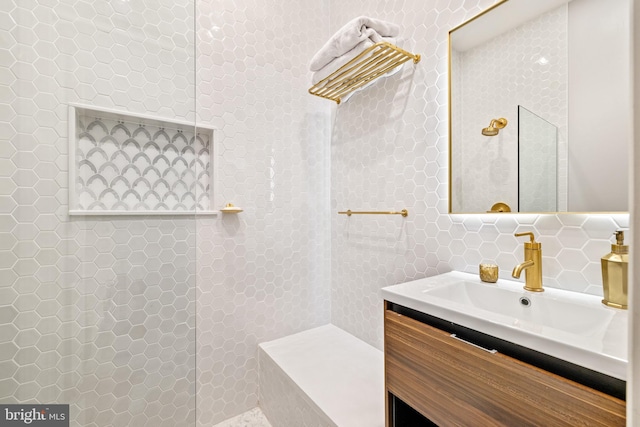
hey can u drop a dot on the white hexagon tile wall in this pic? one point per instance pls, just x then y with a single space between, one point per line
503 90
389 151
264 273
102 312
97 312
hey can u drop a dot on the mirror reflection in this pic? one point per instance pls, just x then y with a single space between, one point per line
538 161
540 108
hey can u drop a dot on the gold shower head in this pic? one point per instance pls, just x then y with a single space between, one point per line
494 127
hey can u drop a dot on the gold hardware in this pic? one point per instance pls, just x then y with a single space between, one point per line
488 273
494 127
615 273
499 208
532 264
230 208
372 63
349 212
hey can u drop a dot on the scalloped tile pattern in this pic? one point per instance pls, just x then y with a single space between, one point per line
127 166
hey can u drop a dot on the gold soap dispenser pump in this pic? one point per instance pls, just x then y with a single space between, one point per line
615 273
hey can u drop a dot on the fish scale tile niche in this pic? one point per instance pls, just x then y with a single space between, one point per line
131 164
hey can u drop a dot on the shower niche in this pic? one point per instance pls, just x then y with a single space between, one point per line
130 164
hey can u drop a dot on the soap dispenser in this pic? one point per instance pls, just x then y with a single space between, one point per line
615 273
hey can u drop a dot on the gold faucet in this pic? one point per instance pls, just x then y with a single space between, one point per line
532 264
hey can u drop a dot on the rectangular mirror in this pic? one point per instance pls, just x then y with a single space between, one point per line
539 108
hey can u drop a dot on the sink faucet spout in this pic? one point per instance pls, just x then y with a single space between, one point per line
532 264
517 270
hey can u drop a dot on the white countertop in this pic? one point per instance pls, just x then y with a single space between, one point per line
576 327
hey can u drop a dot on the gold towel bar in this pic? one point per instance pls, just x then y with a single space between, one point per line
349 212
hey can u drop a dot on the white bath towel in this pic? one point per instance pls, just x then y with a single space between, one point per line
351 35
332 66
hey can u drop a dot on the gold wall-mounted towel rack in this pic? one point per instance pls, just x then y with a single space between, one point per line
372 63
349 212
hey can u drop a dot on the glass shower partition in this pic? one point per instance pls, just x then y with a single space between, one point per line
102 173
537 163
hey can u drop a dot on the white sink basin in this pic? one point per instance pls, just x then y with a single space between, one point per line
534 312
568 325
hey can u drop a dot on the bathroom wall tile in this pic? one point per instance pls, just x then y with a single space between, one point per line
264 273
573 220
75 279
548 225
573 237
573 280
289 159
490 161
414 122
599 227
596 249
622 220
573 259
592 272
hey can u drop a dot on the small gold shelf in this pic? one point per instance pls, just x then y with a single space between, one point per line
372 63
231 209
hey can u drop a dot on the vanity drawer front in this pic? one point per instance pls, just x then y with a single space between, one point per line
453 383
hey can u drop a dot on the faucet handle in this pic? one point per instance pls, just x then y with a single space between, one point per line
532 240
528 233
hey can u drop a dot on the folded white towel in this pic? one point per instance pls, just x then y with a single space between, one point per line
332 66
327 70
351 35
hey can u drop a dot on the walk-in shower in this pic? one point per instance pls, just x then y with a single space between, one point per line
99 187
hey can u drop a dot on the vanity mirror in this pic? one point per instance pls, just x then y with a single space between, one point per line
539 108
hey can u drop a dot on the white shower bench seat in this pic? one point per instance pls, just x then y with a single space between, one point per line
321 377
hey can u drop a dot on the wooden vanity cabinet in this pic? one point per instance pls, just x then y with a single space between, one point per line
454 383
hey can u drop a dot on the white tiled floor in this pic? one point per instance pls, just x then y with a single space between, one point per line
252 418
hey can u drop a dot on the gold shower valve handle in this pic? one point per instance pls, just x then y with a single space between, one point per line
500 207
